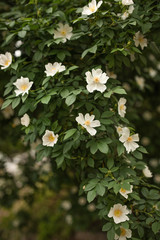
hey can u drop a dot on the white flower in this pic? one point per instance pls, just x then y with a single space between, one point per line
25 120
119 213
5 60
66 205
125 15
147 173
122 107
96 80
152 72
127 2
12 168
125 233
140 82
23 85
119 130
88 122
140 40
63 31
125 192
131 9
17 53
91 8
129 141
18 43
49 138
52 69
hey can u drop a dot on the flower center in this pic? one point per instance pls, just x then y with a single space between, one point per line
117 212
51 138
24 87
92 9
123 232
140 39
87 123
96 79
129 139
122 107
123 190
7 62
63 33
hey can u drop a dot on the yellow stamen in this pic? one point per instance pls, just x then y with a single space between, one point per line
51 138
129 139
123 190
92 9
24 87
63 33
117 212
7 62
87 123
123 232
122 107
96 79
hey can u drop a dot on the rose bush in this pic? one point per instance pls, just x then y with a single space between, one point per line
69 80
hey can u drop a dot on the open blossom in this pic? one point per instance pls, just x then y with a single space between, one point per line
5 60
49 138
125 15
96 80
63 31
88 122
140 40
119 213
25 120
127 2
124 234
147 173
52 69
129 141
125 192
140 82
152 72
122 107
23 85
131 9
91 8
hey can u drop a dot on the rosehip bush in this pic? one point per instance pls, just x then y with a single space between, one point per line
66 85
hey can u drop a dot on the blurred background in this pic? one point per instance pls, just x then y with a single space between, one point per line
37 201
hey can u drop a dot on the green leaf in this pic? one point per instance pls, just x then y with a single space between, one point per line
110 163
91 50
22 34
70 99
70 69
108 94
107 114
100 189
60 160
137 155
106 227
67 146
46 99
102 146
119 90
90 162
6 103
15 102
120 149
69 133
111 234
91 195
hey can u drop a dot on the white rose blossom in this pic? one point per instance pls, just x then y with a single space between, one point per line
119 213
127 2
140 82
96 80
125 233
122 107
88 123
119 130
91 8
147 173
49 138
52 69
23 85
131 9
5 60
125 192
125 15
25 120
140 40
129 141
63 31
